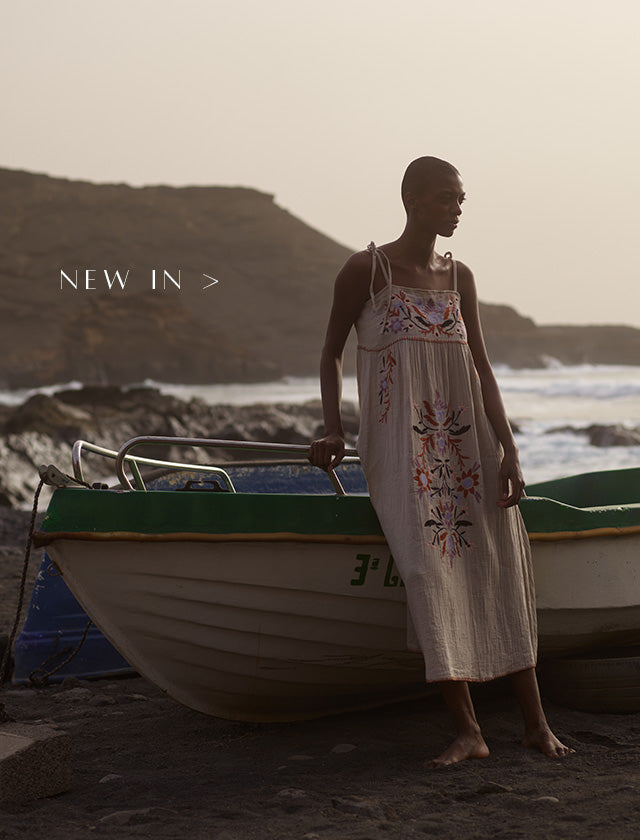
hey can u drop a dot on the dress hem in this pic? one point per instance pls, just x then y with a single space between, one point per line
482 679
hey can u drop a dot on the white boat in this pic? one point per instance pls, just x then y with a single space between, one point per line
285 606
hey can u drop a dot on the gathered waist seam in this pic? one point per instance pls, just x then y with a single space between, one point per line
411 338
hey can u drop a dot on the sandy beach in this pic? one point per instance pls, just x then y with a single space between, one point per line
144 766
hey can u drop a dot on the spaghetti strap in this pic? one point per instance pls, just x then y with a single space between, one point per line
379 258
454 269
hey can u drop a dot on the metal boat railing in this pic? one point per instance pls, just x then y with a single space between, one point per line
84 445
122 457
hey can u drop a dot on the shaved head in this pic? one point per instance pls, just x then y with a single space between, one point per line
422 172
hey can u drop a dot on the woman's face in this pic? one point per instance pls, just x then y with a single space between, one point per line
438 207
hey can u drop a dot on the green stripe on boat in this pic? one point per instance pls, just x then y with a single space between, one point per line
168 511
171 512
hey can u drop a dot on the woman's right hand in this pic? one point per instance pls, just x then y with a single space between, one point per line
327 452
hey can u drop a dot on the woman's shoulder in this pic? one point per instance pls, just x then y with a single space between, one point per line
465 276
357 267
462 267
352 283
363 262
360 259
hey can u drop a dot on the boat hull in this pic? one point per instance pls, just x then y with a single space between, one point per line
269 631
261 632
587 593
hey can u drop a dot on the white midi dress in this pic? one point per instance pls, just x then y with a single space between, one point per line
431 459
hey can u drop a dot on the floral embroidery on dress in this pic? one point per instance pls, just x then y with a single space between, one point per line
443 477
437 317
387 364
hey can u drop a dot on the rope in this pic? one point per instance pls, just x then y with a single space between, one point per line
27 554
40 681
39 676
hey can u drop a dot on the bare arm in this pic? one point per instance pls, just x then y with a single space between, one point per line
349 295
511 480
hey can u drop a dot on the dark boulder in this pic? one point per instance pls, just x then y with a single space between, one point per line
49 416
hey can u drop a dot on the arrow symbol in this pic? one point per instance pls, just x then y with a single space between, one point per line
213 282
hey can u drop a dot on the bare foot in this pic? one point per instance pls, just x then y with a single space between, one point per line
544 740
464 746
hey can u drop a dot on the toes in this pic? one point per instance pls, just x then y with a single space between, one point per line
560 751
434 763
547 744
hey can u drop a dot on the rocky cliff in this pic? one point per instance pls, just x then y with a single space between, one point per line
66 314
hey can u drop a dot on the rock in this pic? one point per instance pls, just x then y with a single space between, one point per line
35 761
603 435
102 700
110 777
5 499
291 793
291 799
48 415
146 410
358 805
344 748
21 455
73 695
493 787
105 396
131 817
136 816
121 699
615 435
20 692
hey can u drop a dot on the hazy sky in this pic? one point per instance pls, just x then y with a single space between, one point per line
324 104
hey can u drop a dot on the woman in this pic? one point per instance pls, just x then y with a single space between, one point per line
439 457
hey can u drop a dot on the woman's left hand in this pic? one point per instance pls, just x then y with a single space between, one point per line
511 487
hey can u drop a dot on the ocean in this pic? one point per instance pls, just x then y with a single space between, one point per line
539 401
